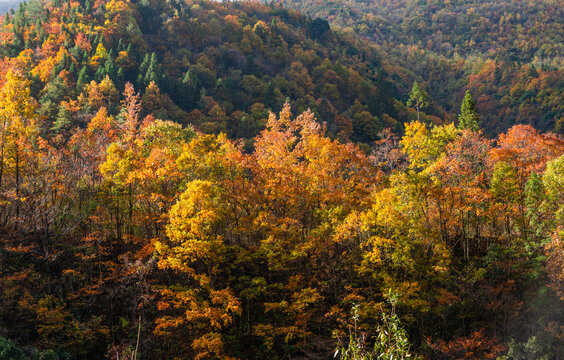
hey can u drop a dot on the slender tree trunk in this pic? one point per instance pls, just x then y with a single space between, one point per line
130 209
138 336
1 161
2 146
118 219
17 182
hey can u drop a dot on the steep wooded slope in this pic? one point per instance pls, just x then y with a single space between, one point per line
508 53
218 66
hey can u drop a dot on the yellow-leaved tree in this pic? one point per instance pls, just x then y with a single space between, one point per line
254 239
18 133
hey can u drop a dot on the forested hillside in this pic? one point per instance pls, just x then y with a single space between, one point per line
510 54
217 66
166 193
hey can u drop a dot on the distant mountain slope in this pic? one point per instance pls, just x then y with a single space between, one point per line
510 54
219 66
520 30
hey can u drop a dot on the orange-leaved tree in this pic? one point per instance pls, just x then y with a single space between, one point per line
254 239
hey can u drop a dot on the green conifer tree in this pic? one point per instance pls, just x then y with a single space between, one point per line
468 118
120 75
85 55
76 52
72 68
100 73
109 68
82 77
186 79
63 122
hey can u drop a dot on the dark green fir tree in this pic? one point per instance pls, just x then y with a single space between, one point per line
468 118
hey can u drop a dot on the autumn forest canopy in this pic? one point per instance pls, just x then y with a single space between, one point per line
237 180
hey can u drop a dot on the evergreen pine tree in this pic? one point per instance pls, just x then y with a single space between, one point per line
109 68
120 75
468 118
66 60
82 77
186 79
63 122
145 62
189 90
154 61
75 52
100 73
151 76
72 68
